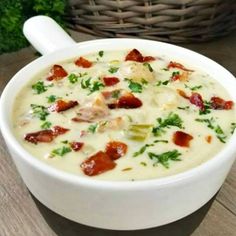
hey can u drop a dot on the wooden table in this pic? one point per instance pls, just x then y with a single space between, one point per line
22 215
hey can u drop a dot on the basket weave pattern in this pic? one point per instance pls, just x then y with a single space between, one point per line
163 20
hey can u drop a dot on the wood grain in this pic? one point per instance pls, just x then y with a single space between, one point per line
22 215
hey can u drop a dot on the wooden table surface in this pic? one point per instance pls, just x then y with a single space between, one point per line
22 215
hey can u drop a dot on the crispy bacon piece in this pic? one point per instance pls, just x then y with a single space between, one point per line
57 72
58 130
45 136
61 105
218 103
173 64
115 149
98 163
182 93
76 146
82 62
197 100
180 76
135 55
182 139
129 101
110 81
208 138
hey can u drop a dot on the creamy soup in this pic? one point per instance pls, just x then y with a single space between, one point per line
123 115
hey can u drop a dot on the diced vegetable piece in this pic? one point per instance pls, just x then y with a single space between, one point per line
82 62
57 73
218 103
182 93
182 139
61 105
58 130
98 163
115 149
138 132
110 81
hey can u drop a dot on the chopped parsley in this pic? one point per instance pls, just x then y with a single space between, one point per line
216 128
51 98
207 108
183 108
46 125
233 127
165 157
175 73
73 78
91 86
194 88
136 87
162 83
101 53
40 87
171 120
142 149
60 151
143 163
92 128
113 70
148 66
39 111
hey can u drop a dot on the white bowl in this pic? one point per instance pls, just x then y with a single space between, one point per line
115 205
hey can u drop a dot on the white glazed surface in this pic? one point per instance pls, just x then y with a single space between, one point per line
119 205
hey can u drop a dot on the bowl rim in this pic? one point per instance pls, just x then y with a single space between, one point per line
183 177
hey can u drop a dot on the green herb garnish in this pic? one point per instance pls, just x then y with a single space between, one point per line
46 125
39 111
165 157
148 66
40 87
113 70
233 127
91 86
101 53
73 78
183 108
92 128
207 108
162 83
194 88
216 128
171 120
143 163
134 86
115 94
51 98
61 151
142 149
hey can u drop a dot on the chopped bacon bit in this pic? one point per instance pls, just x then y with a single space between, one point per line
129 101
135 55
182 93
173 64
61 105
180 76
76 146
197 100
115 149
175 77
112 105
83 133
82 62
57 73
208 138
218 103
98 163
110 81
107 94
45 136
77 119
58 130
148 59
182 139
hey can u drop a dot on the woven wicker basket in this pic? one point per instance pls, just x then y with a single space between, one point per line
163 20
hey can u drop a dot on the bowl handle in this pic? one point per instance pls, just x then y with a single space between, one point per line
46 35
